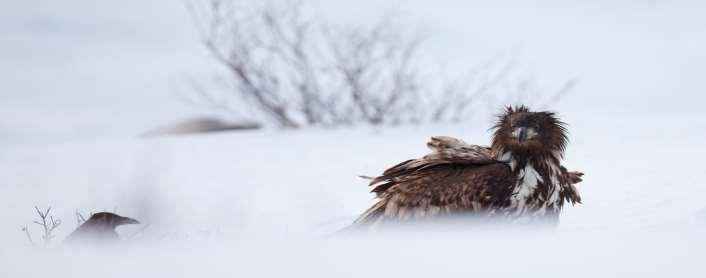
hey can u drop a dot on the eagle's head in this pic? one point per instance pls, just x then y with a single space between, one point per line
522 131
99 229
109 220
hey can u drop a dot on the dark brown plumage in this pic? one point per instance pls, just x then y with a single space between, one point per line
99 228
519 177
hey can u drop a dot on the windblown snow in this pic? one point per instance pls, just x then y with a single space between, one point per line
80 79
264 203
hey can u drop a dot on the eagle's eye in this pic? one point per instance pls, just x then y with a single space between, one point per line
523 133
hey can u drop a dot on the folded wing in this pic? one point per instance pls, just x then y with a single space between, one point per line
455 177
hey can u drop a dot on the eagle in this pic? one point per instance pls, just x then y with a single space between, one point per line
99 228
519 178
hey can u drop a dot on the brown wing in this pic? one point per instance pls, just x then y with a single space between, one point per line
455 177
571 194
446 150
441 190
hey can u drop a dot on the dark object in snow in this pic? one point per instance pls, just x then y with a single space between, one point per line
519 178
201 125
100 228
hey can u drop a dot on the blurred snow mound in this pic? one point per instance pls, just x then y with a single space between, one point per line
201 125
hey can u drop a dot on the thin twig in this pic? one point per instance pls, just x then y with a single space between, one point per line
29 236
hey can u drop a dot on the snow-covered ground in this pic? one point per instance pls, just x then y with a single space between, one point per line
261 203
80 79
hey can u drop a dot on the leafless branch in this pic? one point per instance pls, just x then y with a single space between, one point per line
79 219
25 229
298 70
560 93
48 224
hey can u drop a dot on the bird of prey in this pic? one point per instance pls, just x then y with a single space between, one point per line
99 228
518 178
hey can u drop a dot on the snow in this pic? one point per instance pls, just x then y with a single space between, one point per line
264 203
80 80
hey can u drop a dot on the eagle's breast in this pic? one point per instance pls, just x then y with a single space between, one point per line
536 191
527 180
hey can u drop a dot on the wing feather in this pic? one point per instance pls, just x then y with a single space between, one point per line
441 190
445 150
455 177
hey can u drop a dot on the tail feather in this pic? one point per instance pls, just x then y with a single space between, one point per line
372 215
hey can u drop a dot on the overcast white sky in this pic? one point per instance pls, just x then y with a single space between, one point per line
75 69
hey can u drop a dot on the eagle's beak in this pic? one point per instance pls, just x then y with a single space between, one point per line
128 220
522 135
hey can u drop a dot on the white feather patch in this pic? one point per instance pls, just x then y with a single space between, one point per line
528 178
556 186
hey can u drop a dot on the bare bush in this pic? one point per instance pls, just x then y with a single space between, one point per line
294 69
48 224
80 218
